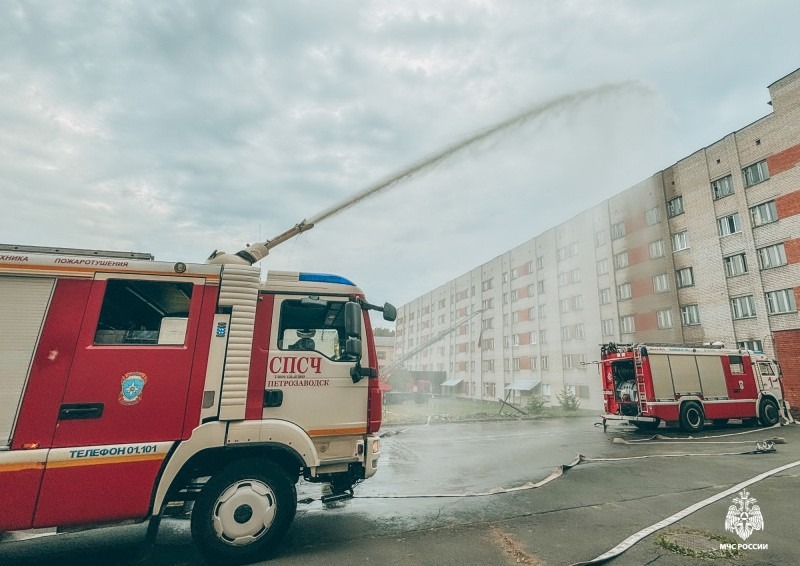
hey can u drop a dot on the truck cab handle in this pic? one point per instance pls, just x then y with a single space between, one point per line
76 411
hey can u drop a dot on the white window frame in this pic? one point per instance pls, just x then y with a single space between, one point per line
728 225
664 318
781 301
755 173
675 206
656 249
743 307
680 241
690 315
735 265
764 213
627 324
624 292
661 283
652 216
772 256
722 187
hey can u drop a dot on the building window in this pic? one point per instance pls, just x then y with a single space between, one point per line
730 224
488 389
564 304
486 285
690 315
626 324
540 262
567 361
743 307
605 296
621 260
486 324
664 319
545 365
599 238
531 313
735 265
680 241
488 365
489 303
577 302
656 249
685 277
561 254
515 317
624 291
754 345
506 341
531 290
764 213
722 187
505 277
573 249
542 311
579 331
532 337
772 256
755 173
781 301
607 326
516 363
540 286
563 279
652 216
661 283
675 207
487 344
602 267
543 337
617 230
566 333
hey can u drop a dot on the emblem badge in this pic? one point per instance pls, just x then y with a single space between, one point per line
132 385
744 516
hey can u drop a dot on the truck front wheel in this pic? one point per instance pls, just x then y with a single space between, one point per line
692 417
768 412
243 512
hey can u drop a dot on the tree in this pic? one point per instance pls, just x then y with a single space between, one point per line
568 399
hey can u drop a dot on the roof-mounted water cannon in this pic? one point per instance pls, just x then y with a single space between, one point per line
256 252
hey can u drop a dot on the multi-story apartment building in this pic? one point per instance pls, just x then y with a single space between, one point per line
707 250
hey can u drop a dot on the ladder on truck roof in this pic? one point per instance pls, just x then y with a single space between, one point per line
75 251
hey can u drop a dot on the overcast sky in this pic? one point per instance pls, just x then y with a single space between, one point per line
177 128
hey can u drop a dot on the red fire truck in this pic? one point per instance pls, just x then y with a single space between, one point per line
647 384
128 383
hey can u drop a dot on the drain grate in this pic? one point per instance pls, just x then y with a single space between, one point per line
699 544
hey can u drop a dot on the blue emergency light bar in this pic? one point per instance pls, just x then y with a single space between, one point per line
324 278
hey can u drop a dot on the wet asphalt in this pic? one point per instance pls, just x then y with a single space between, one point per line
588 510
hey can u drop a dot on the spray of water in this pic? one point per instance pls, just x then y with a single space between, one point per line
258 251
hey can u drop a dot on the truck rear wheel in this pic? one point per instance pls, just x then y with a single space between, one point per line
768 413
243 512
692 417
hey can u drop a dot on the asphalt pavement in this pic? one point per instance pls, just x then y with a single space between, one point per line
462 513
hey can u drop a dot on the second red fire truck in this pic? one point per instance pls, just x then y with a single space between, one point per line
647 384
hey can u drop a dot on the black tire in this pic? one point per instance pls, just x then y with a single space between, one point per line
720 422
692 417
646 425
243 512
768 413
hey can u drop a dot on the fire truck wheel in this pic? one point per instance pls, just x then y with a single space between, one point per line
692 417
243 511
768 413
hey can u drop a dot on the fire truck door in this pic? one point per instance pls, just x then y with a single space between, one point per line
308 365
125 399
740 379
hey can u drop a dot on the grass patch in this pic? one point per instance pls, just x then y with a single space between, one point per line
451 409
697 544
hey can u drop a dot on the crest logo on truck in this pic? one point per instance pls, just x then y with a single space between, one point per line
132 384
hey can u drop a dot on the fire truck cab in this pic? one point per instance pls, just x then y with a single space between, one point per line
147 382
647 384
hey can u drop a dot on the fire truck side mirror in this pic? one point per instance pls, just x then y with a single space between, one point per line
352 320
389 312
352 349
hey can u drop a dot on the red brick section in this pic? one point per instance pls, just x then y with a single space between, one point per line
645 321
787 348
642 288
784 160
525 362
638 255
788 205
792 248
